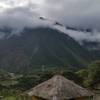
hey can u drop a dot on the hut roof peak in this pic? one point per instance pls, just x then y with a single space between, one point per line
60 88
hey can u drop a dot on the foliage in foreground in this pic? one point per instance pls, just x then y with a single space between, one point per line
19 85
91 75
12 88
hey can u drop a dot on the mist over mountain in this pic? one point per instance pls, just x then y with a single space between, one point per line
35 47
20 14
57 39
49 43
82 35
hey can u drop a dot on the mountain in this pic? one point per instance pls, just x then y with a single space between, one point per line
41 46
48 45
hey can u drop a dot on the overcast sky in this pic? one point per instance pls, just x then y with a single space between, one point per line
74 13
69 12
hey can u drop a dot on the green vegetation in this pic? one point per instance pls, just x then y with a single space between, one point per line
91 75
10 98
16 86
13 86
41 46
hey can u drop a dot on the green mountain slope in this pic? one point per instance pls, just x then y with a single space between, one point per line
41 46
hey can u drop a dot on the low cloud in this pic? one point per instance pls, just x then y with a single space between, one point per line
80 36
75 13
80 13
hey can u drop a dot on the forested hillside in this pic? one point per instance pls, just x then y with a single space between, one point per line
35 48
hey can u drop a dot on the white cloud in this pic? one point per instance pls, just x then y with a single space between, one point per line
80 36
78 13
83 13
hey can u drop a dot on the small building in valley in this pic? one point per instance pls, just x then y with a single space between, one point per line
59 88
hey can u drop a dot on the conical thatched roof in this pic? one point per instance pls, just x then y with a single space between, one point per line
58 88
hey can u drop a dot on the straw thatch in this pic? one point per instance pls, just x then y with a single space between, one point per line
58 88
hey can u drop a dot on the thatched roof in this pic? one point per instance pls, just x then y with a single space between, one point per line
58 88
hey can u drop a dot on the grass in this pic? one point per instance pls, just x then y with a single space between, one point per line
8 82
10 98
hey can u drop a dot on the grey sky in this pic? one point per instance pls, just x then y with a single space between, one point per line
69 12
77 13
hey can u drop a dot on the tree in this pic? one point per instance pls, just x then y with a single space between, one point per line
91 74
94 72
